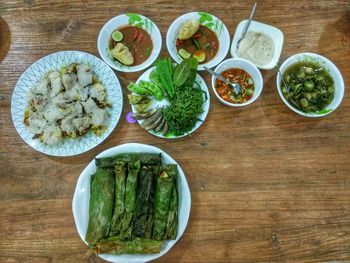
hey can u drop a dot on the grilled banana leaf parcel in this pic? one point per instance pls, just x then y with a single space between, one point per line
120 179
143 219
116 246
145 159
101 205
130 201
164 190
171 227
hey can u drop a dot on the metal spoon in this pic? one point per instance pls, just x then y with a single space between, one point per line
287 87
247 24
235 86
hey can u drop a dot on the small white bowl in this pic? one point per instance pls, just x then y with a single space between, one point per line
247 66
333 71
132 20
273 32
205 19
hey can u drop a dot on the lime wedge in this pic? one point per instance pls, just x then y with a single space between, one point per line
117 36
183 53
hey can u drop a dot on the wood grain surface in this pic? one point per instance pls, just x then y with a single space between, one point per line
267 184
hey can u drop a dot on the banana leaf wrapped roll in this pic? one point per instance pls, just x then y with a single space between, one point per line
150 216
164 189
130 201
145 159
119 193
143 219
171 226
101 205
115 246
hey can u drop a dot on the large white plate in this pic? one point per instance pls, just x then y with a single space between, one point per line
56 61
81 200
202 117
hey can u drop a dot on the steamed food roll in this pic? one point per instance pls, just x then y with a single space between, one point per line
172 222
188 29
145 159
119 193
101 205
143 220
164 190
68 80
115 246
122 53
130 200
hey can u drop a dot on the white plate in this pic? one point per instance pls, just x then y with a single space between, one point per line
205 19
203 116
133 20
81 200
271 31
55 61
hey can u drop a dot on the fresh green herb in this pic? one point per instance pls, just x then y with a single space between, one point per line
155 79
196 43
183 71
165 72
147 51
182 113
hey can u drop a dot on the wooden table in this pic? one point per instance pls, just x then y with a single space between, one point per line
266 184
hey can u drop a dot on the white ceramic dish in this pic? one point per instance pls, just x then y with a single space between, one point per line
205 19
272 31
81 200
250 68
203 116
332 69
132 20
56 61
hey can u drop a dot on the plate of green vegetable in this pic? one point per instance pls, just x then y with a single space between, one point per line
170 100
131 204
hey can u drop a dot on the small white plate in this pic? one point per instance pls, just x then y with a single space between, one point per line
132 20
55 61
273 32
81 199
203 116
207 20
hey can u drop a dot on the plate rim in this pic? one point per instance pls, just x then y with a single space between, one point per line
26 73
110 152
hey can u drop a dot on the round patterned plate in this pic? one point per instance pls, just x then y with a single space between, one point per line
55 61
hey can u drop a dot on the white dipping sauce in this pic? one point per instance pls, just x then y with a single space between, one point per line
256 47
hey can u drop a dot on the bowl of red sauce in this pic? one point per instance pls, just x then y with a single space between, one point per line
240 71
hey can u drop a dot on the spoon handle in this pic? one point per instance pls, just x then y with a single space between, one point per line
248 23
218 76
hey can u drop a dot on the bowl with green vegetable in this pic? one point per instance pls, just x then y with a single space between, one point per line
310 85
131 203
170 100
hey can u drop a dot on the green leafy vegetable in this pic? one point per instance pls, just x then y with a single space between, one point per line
165 73
185 71
182 114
